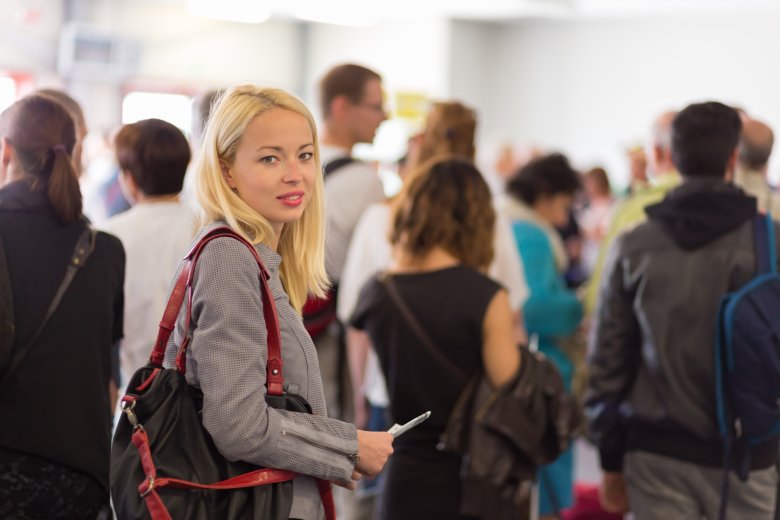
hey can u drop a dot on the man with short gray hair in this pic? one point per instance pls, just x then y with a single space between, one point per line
755 147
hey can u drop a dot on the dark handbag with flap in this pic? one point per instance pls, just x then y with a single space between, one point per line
164 463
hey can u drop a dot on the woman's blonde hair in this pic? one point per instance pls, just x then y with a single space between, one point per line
449 130
302 243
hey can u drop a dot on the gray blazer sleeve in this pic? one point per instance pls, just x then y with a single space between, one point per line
227 359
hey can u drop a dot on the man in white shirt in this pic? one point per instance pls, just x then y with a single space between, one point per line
156 231
352 106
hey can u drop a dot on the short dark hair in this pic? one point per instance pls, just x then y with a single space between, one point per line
544 176
704 136
344 80
155 154
446 203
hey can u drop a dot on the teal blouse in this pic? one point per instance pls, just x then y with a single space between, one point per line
552 310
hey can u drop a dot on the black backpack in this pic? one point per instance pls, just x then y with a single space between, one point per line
747 360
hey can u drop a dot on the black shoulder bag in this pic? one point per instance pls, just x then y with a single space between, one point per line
164 463
84 248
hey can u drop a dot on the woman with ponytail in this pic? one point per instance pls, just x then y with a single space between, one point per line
61 313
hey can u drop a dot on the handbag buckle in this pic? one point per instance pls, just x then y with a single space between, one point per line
149 489
127 409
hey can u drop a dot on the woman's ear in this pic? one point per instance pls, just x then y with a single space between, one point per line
129 187
226 175
6 156
731 167
5 152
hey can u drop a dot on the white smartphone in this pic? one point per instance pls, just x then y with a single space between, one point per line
398 429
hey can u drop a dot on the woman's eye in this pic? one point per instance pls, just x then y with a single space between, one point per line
268 159
305 156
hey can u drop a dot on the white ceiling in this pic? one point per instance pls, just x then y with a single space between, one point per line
500 10
514 9
370 11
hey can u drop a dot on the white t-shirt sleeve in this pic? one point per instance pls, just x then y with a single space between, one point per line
369 252
348 192
507 267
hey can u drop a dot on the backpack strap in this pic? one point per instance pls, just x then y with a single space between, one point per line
766 250
335 164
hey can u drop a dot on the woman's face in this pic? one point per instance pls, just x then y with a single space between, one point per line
554 208
274 169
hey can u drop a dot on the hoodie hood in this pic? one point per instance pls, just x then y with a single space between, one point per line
702 210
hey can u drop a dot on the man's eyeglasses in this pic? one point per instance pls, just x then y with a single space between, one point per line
375 107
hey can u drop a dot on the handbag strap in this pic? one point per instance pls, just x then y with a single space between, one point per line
418 330
84 247
157 510
274 376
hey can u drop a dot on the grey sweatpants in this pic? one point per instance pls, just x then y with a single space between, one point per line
663 488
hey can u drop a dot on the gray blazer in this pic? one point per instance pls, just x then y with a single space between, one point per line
227 359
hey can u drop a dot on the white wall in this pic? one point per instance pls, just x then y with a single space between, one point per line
181 53
410 55
472 69
30 35
591 88
176 46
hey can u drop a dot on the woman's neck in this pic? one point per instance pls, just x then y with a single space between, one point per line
151 199
13 174
434 260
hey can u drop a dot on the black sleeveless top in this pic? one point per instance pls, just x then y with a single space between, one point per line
450 305
55 405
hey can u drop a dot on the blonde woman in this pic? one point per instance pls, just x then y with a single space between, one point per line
259 173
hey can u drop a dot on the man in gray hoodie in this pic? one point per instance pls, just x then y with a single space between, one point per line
651 401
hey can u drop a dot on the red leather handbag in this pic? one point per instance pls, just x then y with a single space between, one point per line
164 463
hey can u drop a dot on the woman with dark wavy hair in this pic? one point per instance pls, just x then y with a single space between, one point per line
442 235
540 198
55 372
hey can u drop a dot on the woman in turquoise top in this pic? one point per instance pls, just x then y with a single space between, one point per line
540 196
